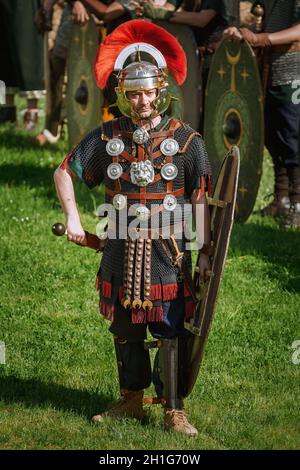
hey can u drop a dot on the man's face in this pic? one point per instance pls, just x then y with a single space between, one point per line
141 101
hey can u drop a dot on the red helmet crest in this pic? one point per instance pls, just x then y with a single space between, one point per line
137 31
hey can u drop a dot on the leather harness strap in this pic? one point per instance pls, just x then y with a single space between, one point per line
159 136
178 192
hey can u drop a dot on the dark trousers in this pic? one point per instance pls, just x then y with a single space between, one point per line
282 123
133 359
57 67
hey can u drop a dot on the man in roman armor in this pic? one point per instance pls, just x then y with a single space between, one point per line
154 167
280 42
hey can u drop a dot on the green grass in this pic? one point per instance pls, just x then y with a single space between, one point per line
60 367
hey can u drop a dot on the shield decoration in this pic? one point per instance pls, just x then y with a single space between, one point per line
188 103
234 116
84 99
222 206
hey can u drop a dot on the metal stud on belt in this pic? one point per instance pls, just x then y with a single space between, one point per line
169 171
169 202
119 201
114 147
114 171
169 147
142 213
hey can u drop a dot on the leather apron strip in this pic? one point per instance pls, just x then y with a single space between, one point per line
147 274
130 272
137 302
126 295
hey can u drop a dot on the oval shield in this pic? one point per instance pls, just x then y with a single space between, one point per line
187 105
234 116
84 99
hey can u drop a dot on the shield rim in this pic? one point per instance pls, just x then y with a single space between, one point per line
198 339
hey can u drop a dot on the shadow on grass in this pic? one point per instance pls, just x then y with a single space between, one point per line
33 176
34 393
278 247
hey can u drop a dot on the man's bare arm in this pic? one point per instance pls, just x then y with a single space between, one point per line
114 10
96 7
280 38
65 192
286 36
199 19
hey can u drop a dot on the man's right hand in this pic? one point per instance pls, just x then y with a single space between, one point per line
80 15
254 39
154 13
232 33
75 232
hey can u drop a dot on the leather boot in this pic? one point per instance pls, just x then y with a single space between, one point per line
281 203
292 220
176 420
8 114
130 405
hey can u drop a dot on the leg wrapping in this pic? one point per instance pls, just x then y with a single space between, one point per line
134 366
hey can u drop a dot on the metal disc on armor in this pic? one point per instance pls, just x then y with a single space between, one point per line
142 213
234 116
142 173
114 147
119 201
187 105
114 171
169 147
84 99
170 202
140 136
169 171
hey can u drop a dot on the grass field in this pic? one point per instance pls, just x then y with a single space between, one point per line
60 367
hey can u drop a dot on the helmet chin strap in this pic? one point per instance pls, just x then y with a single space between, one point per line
150 152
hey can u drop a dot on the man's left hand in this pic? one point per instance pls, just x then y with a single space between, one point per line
204 265
80 15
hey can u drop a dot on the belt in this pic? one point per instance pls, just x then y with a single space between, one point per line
152 233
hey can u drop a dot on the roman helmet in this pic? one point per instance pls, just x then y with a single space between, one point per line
141 54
